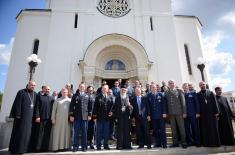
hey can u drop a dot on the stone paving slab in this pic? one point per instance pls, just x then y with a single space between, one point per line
223 150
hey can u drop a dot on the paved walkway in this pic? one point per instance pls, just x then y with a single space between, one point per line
223 150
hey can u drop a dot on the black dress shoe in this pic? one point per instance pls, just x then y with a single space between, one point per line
184 146
98 148
157 146
83 149
75 149
164 146
149 147
140 147
174 145
106 148
198 145
128 148
119 148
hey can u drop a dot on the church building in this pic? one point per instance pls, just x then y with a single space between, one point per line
95 40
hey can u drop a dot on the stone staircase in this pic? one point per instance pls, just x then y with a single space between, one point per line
168 135
223 150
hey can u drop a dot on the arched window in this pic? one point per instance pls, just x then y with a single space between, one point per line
115 65
35 46
188 59
76 21
151 23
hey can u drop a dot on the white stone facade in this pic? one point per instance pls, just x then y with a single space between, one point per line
230 95
146 37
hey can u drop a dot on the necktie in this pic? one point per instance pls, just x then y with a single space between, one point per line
139 104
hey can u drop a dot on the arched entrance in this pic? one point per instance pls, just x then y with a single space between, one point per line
115 50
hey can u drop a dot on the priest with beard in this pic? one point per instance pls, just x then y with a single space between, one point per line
209 113
122 111
22 112
225 119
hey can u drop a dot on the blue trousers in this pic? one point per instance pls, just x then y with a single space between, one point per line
111 128
80 125
102 130
160 131
91 132
192 130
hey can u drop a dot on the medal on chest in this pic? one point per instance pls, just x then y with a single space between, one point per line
123 108
31 106
159 98
31 100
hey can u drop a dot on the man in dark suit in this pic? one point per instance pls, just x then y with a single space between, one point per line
102 113
80 113
91 123
141 114
157 108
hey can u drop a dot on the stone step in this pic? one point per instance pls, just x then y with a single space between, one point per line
145 151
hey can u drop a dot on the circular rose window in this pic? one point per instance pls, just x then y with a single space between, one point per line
114 8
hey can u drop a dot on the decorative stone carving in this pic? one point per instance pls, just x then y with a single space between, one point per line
114 8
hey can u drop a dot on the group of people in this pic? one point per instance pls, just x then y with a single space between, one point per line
44 122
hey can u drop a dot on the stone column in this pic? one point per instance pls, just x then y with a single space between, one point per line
143 76
89 75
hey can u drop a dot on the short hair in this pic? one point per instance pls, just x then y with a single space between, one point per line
89 87
217 88
185 84
64 88
82 84
171 81
105 86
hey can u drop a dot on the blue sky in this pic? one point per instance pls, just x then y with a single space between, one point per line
217 17
8 11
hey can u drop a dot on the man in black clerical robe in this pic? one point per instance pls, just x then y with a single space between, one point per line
43 110
22 112
209 113
35 124
225 119
122 111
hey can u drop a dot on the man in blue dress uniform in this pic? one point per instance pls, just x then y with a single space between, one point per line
116 89
157 108
80 114
193 113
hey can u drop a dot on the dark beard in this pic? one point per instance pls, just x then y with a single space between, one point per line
30 90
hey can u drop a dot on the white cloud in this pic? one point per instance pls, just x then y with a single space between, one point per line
228 18
219 62
5 52
220 81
